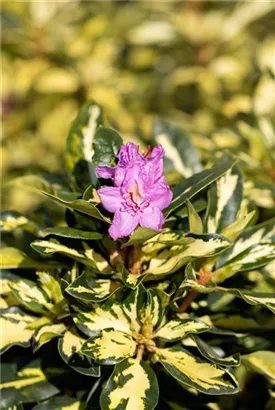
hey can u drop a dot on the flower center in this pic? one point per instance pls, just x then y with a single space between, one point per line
134 197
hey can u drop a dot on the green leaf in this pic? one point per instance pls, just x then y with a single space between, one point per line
191 186
14 323
30 295
108 314
133 385
195 372
179 150
224 200
12 258
111 347
177 329
79 205
79 149
140 235
195 222
69 347
27 385
106 145
61 403
88 289
262 362
46 333
47 248
195 246
209 353
66 232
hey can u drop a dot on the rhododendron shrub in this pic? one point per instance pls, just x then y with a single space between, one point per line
144 279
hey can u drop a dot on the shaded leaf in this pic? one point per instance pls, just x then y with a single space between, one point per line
106 145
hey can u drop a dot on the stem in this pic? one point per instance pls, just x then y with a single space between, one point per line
188 300
136 266
140 351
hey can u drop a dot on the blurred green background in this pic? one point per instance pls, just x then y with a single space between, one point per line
209 66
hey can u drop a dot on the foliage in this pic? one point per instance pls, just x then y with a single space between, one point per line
174 319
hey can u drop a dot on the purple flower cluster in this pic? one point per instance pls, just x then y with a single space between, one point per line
140 191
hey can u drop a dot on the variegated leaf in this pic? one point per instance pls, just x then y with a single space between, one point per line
79 150
194 184
28 385
224 199
88 289
106 145
13 220
80 205
181 155
233 230
250 239
7 299
195 372
177 329
30 295
133 385
14 325
46 333
197 246
108 314
61 403
140 235
252 258
129 279
210 353
51 286
195 222
133 305
251 297
111 347
69 347
53 246
66 232
12 258
262 362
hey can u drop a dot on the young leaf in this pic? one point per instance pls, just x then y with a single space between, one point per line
177 329
130 280
180 152
133 385
224 199
111 347
14 324
191 186
106 145
79 150
195 372
195 222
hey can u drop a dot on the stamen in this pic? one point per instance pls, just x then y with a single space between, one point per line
147 152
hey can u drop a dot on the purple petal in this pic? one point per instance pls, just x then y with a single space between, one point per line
151 218
127 153
119 175
123 224
160 194
110 197
154 166
105 172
